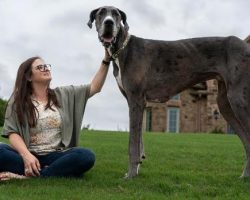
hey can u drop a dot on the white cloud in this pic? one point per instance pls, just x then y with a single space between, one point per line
6 82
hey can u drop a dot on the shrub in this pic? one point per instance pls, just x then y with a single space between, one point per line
3 105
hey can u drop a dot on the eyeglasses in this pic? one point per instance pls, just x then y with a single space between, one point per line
44 68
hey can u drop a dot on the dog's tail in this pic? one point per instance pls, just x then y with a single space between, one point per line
247 39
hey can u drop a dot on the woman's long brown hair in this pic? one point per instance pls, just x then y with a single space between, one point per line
22 95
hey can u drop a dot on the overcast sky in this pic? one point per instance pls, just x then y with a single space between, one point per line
57 31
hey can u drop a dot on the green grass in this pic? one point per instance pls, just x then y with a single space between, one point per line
177 166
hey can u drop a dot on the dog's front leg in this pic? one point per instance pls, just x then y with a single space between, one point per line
142 150
136 107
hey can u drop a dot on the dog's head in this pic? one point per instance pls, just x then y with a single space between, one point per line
108 23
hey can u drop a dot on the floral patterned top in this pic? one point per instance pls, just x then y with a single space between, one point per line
72 100
46 136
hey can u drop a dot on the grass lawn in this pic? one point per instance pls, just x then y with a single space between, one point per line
177 166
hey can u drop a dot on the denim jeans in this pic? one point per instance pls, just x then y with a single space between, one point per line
70 163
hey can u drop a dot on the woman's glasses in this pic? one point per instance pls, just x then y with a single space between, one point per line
44 68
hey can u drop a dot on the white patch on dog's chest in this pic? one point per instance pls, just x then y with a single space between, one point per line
119 76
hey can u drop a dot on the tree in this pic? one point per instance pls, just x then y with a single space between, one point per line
3 105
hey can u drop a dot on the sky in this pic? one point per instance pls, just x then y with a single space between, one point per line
57 31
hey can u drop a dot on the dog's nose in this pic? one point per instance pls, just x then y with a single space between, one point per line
109 22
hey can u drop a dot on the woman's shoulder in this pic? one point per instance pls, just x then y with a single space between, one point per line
10 101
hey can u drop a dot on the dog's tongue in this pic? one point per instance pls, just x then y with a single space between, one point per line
108 40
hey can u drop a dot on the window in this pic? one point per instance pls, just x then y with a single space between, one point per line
173 115
176 97
148 119
230 129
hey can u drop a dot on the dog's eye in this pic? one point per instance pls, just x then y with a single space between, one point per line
102 11
115 13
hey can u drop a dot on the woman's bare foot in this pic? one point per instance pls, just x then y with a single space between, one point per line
4 176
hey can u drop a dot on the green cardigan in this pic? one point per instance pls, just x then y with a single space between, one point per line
72 100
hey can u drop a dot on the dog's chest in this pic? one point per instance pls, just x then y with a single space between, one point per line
118 76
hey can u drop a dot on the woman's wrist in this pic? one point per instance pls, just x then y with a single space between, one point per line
105 62
24 154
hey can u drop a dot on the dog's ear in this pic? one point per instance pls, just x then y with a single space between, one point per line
92 17
124 19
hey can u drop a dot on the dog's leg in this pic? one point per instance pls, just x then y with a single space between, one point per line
243 121
228 109
136 107
142 151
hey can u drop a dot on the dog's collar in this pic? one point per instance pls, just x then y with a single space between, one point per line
115 55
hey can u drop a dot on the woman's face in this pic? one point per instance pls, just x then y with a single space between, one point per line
40 72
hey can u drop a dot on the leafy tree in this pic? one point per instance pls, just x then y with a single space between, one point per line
3 105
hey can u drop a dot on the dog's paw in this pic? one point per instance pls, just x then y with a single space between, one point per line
128 177
243 176
131 175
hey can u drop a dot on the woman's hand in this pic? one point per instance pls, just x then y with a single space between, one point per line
31 165
107 57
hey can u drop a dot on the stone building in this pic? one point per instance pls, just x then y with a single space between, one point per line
248 39
194 110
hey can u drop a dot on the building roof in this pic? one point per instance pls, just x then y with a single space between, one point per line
248 39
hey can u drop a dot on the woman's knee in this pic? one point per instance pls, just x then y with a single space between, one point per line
10 160
85 157
4 147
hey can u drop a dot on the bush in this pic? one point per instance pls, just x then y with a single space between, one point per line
217 130
3 105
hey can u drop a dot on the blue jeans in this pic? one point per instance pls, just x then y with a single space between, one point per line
71 163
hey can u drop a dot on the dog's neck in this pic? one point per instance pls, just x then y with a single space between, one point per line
121 37
121 42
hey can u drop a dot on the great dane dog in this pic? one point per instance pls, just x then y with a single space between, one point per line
155 70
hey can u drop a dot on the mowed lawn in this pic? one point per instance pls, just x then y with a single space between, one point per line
177 166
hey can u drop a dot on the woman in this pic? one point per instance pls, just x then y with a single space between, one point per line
43 124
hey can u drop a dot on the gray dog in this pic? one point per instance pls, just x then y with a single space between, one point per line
154 70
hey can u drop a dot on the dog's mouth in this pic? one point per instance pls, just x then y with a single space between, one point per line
107 41
107 38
